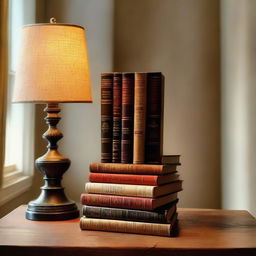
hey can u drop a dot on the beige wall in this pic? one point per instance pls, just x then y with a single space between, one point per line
238 21
181 39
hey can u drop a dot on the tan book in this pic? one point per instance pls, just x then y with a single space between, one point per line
129 226
150 180
140 100
133 190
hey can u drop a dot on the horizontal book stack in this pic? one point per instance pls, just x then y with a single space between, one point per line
131 117
132 198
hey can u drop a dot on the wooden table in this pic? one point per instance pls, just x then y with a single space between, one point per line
202 232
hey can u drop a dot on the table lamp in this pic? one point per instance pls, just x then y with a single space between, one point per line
53 68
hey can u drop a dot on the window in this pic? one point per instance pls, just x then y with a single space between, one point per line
19 149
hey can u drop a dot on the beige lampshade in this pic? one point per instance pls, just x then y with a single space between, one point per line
53 65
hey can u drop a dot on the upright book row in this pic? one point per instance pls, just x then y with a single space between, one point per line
131 117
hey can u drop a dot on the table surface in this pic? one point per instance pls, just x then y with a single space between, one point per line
202 232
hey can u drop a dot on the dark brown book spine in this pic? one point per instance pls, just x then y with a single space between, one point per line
140 97
117 115
127 214
127 117
153 147
106 117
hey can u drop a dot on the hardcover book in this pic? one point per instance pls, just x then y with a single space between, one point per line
153 147
146 169
106 117
161 215
170 159
133 190
129 226
117 115
127 117
127 202
153 180
140 104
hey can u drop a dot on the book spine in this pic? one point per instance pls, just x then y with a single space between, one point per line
124 214
140 97
126 168
154 118
117 115
119 189
150 180
106 117
125 226
127 117
117 201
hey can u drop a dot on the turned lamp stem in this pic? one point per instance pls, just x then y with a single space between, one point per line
52 203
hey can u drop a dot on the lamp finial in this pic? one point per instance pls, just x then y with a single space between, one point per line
53 20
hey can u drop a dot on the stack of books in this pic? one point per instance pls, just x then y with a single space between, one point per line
132 198
134 188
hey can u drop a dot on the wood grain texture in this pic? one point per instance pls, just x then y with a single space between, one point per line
202 232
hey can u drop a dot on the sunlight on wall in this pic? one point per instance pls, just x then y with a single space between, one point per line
238 105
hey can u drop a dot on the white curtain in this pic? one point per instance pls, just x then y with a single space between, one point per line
238 48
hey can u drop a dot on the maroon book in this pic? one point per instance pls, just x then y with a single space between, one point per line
151 180
106 117
127 202
117 115
153 141
127 117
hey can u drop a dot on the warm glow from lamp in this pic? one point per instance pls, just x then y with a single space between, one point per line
53 65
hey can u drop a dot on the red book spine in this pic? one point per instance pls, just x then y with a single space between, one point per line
150 180
106 117
117 201
153 147
117 115
127 117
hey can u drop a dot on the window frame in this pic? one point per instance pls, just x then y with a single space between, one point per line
17 177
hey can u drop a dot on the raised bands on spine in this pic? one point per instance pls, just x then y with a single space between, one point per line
153 146
127 117
106 117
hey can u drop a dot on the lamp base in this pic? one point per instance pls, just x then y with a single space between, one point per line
51 212
52 203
